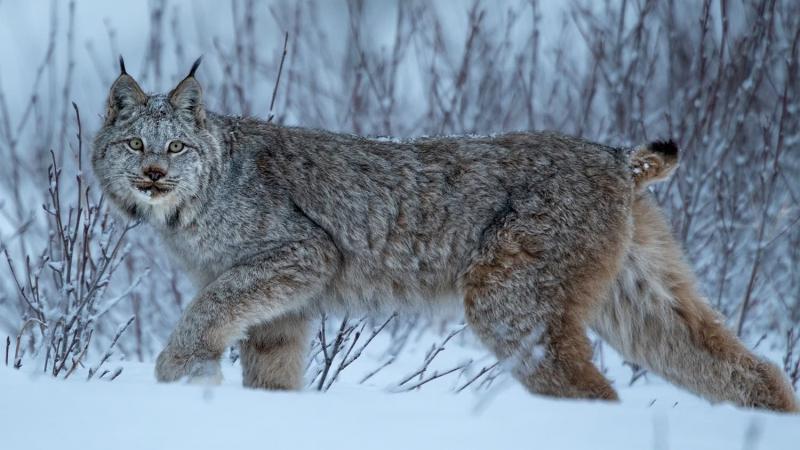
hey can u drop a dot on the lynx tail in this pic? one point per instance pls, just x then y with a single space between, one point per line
653 162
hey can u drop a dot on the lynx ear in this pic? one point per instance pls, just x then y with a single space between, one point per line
125 92
187 97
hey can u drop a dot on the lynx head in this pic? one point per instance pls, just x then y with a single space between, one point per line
154 155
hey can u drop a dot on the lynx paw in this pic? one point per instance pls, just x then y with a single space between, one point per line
171 366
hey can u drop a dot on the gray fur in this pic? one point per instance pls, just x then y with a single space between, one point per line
526 231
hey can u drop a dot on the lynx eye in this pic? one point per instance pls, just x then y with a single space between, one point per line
176 146
136 144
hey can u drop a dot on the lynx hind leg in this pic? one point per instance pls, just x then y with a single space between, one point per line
274 353
529 309
533 333
655 317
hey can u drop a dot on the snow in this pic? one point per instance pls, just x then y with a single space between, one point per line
135 412
390 139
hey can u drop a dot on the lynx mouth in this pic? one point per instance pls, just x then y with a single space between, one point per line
151 189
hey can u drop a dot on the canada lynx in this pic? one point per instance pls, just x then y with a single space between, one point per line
538 235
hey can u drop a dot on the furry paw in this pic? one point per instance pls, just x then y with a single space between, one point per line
172 366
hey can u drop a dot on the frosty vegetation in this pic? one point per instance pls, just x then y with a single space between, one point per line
80 289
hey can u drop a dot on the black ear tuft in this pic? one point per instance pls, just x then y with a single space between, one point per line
194 67
187 97
125 92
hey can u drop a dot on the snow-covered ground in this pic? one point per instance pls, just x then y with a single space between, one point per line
134 412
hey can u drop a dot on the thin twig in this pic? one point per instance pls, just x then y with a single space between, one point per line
278 79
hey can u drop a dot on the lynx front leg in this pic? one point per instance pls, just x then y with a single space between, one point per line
274 353
246 295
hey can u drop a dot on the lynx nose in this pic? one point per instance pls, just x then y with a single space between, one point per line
155 173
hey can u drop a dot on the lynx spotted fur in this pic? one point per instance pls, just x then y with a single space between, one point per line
537 236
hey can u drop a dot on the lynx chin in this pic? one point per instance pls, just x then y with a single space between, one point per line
537 236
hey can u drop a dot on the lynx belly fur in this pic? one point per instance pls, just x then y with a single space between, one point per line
537 236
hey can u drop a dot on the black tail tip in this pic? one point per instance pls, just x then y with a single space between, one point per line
667 148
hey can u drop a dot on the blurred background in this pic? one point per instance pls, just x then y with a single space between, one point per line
720 77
